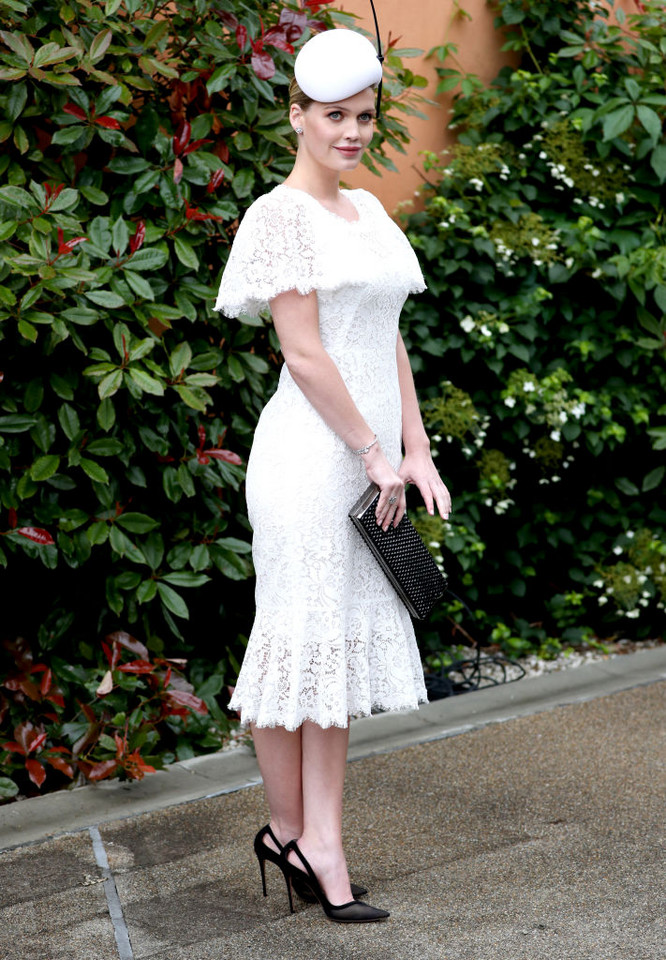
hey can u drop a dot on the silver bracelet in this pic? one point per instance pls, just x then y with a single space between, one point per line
365 449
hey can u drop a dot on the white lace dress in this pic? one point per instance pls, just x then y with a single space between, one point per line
330 636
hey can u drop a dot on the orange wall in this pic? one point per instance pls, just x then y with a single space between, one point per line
425 24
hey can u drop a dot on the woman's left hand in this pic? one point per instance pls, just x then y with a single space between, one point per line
419 469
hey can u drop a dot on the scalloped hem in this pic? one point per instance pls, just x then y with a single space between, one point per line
248 717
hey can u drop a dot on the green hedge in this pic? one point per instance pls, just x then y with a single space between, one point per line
540 346
134 133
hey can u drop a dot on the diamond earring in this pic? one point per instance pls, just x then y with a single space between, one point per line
299 130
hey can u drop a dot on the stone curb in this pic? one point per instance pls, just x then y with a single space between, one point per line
41 818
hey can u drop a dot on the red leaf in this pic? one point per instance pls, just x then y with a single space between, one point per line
30 689
69 246
98 771
241 36
184 699
202 458
73 110
277 37
294 22
227 455
110 123
12 518
36 772
40 536
178 170
88 712
13 747
130 643
193 213
229 20
201 434
191 147
262 64
216 179
182 137
47 680
137 666
136 242
59 764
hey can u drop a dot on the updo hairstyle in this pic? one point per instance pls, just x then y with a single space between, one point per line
297 97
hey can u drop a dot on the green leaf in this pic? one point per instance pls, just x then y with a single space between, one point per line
98 532
17 423
137 522
626 486
44 467
71 134
16 197
146 591
16 101
106 415
618 121
650 121
180 359
152 258
104 447
69 421
173 601
658 161
191 398
100 44
147 383
653 479
105 298
120 235
186 578
139 285
218 80
8 788
94 470
110 384
185 253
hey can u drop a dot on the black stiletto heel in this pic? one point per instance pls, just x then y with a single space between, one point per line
356 911
265 853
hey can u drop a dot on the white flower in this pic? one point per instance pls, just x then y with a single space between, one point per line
602 600
543 155
569 262
597 273
563 416
485 330
630 534
627 579
577 199
617 551
467 324
535 241
578 410
510 401
598 584
555 435
529 386
503 327
632 614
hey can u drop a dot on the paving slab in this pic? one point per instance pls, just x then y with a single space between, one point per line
535 835
55 814
535 838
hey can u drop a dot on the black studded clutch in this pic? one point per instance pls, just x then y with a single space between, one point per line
402 555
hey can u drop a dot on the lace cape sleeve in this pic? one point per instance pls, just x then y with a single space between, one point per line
273 251
406 266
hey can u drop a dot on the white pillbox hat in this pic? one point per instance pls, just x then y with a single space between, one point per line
337 64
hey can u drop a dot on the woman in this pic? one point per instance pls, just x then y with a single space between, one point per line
330 637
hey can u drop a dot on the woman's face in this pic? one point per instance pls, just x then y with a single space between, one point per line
336 134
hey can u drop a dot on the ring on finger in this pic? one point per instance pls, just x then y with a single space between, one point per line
392 500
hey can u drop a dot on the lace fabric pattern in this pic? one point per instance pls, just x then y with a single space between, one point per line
330 637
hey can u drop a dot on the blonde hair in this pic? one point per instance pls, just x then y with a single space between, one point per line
297 97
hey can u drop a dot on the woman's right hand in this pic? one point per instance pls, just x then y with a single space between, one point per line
392 501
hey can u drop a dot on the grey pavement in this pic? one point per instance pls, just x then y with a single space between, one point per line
524 821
